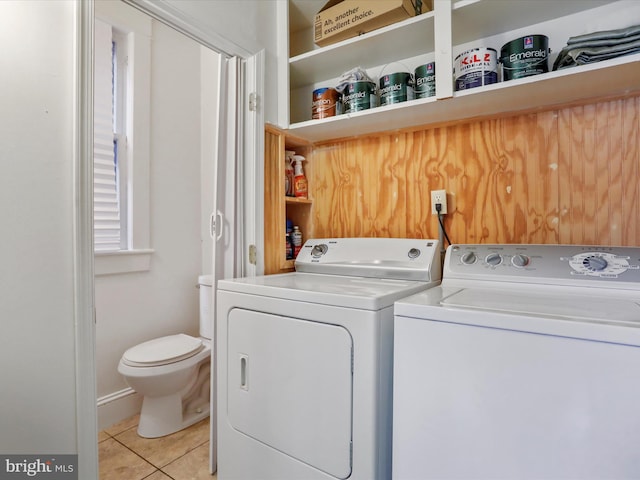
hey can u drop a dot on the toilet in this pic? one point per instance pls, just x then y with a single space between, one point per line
173 374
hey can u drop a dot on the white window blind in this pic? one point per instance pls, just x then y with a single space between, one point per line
106 208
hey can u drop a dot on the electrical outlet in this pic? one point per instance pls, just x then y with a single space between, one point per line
439 196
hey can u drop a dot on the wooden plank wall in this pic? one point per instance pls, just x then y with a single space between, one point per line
563 176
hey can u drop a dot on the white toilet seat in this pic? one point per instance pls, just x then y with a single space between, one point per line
163 351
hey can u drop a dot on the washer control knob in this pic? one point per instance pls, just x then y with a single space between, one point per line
468 258
493 259
319 250
520 260
414 253
595 264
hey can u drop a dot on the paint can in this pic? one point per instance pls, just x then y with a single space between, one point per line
425 80
326 103
524 57
360 95
396 87
475 68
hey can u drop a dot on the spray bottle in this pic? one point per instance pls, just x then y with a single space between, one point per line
300 185
288 172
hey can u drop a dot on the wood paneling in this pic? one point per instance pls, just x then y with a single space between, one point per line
560 176
273 200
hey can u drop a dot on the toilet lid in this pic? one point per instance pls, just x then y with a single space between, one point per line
163 350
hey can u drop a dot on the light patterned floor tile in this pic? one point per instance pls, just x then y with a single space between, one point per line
164 450
125 424
193 466
118 462
158 475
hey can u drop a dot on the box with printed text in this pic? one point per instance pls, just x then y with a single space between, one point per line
342 19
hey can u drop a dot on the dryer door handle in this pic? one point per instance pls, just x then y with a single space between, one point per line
244 372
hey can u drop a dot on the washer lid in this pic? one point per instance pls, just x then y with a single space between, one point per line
585 307
163 350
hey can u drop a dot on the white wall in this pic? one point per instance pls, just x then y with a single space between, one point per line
251 24
37 350
135 307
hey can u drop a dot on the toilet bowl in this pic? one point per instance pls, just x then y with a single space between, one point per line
173 374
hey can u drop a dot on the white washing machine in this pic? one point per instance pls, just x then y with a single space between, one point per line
305 360
523 364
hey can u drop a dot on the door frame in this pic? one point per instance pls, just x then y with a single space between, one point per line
251 149
84 285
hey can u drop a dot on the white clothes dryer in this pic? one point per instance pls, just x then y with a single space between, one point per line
305 360
523 364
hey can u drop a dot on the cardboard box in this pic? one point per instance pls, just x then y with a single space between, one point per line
342 19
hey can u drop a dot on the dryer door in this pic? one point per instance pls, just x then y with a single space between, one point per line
290 387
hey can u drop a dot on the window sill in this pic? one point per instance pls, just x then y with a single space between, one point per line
125 261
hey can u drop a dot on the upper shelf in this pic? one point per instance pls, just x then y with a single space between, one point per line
616 77
408 38
474 19
472 22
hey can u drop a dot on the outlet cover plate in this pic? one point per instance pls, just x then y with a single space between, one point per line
439 196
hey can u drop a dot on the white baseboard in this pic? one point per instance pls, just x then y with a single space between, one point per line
118 406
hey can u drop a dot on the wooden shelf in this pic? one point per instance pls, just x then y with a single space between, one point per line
277 206
296 200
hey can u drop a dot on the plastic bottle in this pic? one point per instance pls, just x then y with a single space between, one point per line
288 172
300 185
297 240
288 247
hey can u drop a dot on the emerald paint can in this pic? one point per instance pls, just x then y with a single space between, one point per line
524 57
396 88
360 95
425 80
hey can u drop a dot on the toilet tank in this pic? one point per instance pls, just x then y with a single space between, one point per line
206 319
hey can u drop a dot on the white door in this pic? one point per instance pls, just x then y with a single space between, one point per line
223 224
224 228
290 387
234 216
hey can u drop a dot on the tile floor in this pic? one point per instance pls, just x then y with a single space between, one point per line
124 455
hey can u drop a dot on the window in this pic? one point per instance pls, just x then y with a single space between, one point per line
109 163
122 56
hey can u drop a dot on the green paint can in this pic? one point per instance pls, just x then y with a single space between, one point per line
396 88
360 95
524 57
425 78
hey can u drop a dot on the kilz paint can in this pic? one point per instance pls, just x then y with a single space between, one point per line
475 68
425 80
326 103
524 57
359 95
396 88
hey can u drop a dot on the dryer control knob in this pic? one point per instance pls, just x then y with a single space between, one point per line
595 264
319 250
493 259
414 253
468 258
520 260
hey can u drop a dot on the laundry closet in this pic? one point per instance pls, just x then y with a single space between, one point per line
546 159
